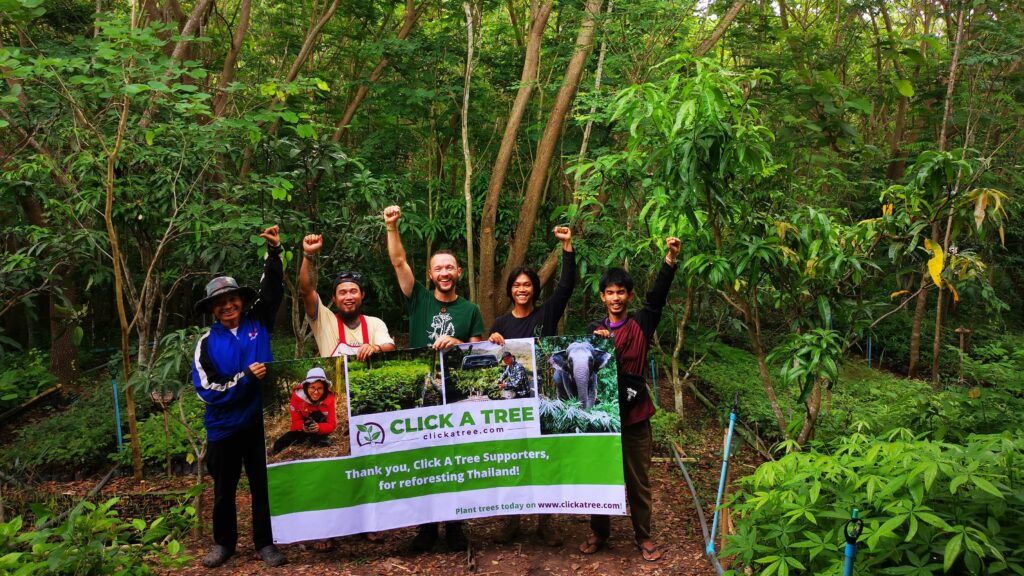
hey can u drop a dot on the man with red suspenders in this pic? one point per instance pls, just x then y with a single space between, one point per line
349 331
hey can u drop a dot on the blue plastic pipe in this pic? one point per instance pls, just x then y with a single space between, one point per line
721 482
869 351
117 415
852 530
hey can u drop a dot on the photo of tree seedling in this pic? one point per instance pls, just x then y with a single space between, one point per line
484 371
390 381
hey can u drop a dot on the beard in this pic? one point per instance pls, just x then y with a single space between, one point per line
350 317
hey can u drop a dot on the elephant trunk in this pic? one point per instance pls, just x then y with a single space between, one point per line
581 374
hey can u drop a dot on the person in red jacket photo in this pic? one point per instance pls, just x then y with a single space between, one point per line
312 412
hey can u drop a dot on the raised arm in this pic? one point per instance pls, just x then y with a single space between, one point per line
555 306
271 292
649 317
311 246
396 251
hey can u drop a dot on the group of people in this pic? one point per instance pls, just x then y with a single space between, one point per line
230 358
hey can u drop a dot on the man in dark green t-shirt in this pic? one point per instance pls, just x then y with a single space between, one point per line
440 319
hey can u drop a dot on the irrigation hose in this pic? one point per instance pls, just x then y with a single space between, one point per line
712 557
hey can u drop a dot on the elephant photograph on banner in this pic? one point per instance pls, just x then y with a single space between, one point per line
304 409
578 385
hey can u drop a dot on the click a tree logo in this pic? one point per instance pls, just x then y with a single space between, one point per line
369 433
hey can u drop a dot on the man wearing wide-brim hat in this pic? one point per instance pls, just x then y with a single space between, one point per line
227 368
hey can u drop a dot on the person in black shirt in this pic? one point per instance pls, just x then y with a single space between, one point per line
528 320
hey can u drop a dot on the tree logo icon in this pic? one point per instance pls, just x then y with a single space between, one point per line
369 433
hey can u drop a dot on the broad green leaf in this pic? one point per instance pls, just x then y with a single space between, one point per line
904 87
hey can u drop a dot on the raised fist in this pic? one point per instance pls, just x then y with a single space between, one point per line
673 245
272 234
563 233
391 215
312 243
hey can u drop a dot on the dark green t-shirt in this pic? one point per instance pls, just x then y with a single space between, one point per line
430 318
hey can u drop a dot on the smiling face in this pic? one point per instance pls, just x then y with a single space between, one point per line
227 309
348 298
616 300
444 272
522 290
315 391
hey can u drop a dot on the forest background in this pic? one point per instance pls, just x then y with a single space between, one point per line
844 176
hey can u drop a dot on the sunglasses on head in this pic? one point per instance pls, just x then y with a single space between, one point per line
349 277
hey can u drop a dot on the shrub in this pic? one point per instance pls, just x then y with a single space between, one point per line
928 507
78 438
154 441
93 540
396 385
484 380
23 376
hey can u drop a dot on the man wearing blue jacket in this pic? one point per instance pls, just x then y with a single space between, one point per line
226 370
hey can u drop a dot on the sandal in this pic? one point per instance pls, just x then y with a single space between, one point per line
593 544
323 545
650 552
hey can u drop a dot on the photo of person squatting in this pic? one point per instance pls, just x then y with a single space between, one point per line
312 412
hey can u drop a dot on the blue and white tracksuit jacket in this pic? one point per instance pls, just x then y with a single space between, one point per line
220 365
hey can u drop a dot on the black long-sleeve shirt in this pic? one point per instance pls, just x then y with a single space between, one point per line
543 321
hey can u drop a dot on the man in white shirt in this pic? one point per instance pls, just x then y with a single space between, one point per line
348 331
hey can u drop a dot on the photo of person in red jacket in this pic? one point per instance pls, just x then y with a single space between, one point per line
312 412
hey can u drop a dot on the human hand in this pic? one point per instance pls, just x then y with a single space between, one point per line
309 425
496 338
446 342
672 245
312 243
564 235
258 369
603 333
365 351
391 216
272 235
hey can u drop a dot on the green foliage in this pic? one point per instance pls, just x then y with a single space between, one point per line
805 358
482 380
78 438
569 417
93 540
999 362
156 444
955 413
396 385
668 428
928 507
881 400
23 376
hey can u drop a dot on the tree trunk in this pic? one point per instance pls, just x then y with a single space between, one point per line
115 254
677 381
546 147
488 242
813 407
467 191
950 87
915 328
412 14
227 75
753 324
720 29
177 55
